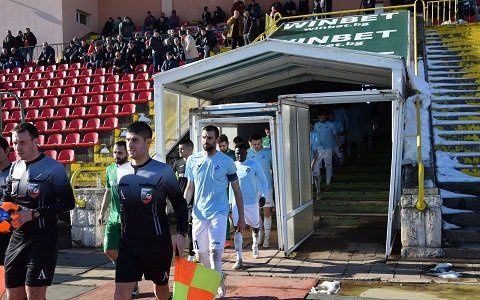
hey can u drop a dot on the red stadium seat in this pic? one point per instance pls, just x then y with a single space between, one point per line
37 103
14 117
80 100
112 88
25 103
47 114
141 68
109 124
73 74
65 102
48 75
126 87
5 114
42 126
51 153
71 82
94 111
68 91
82 90
141 77
8 128
16 70
62 67
142 86
19 85
96 99
7 85
62 113
57 127
74 125
110 111
41 139
75 66
28 94
90 138
99 79
41 93
100 71
55 92
35 76
112 98
58 83
60 74
126 78
31 115
9 104
97 89
92 124
24 77
51 102
84 81
71 140
32 84
127 110
54 141
78 112
127 98
51 68
86 72
112 79
12 78
66 156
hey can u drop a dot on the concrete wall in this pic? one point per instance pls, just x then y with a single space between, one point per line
134 9
44 18
85 231
73 29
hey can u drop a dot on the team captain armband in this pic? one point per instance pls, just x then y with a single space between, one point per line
232 177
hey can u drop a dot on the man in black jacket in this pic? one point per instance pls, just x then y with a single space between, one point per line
31 41
47 56
156 44
9 40
169 63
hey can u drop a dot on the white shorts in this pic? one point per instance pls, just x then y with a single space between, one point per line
269 199
209 234
316 168
251 213
338 154
326 156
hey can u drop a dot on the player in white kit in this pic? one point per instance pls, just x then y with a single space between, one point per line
263 157
254 187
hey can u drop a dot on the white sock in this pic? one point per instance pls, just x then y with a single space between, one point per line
255 238
260 229
238 244
204 258
267 224
216 259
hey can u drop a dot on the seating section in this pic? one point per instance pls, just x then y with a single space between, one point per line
73 107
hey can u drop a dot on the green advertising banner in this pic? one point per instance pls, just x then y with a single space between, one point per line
385 33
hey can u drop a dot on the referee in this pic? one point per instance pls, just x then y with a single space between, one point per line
145 245
41 187
4 170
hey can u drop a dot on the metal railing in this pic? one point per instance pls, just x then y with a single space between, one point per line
82 203
20 104
440 11
34 52
420 205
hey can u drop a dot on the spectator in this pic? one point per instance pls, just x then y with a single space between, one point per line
206 43
226 38
119 65
178 52
120 45
82 51
290 8
108 27
149 23
4 58
257 29
218 15
116 26
169 63
16 59
279 7
18 41
188 44
247 27
31 42
174 20
206 16
238 5
133 54
108 42
47 56
109 56
70 52
168 45
235 24
368 4
254 9
9 40
126 28
318 7
97 59
163 24
274 11
157 50
172 35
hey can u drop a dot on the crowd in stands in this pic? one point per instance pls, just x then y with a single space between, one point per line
163 42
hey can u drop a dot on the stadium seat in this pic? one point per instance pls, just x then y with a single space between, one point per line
80 101
62 113
110 111
73 74
150 69
141 77
126 87
9 104
112 88
71 82
86 72
91 125
12 78
48 75
98 79
62 67
111 99
36 103
54 141
82 90
12 156
42 126
25 103
126 78
7 130
27 94
5 114
97 89
31 115
96 99
35 76
60 75
78 112
32 84
99 71
66 156
75 66
51 102
109 124
41 139
46 114
127 98
51 68
94 111
19 85
41 93
7 85
90 138
141 68
127 110
142 86
57 127
68 91
74 125
58 83
65 102
84 81
14 117
23 77
71 140
55 92
45 83
16 70
51 153
111 79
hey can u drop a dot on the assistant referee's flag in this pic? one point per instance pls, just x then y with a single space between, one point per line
194 281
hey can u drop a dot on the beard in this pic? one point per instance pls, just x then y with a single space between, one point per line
121 161
208 147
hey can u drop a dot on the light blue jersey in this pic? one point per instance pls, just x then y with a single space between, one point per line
326 135
338 126
211 176
264 159
313 142
253 182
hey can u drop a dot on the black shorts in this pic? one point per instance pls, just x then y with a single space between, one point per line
31 258
4 240
151 257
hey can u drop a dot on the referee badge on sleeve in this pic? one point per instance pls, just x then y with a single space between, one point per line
146 195
33 190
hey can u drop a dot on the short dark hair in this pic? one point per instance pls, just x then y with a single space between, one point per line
255 137
186 142
141 128
121 144
27 127
211 128
238 139
4 144
223 139
241 145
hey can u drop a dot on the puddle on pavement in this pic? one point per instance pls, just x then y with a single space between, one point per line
430 291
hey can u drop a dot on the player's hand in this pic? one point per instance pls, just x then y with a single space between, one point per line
21 217
178 243
240 224
261 201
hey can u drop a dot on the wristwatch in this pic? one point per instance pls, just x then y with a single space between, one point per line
35 214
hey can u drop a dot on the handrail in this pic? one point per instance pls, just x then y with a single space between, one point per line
22 111
432 9
82 203
420 205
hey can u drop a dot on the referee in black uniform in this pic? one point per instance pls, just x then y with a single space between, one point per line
41 187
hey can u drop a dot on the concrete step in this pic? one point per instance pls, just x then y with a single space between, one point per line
460 61
456 115
445 68
452 106
454 80
463 220
455 127
452 74
464 136
470 188
459 148
472 87
470 235
472 203
467 158
463 251
448 100
372 195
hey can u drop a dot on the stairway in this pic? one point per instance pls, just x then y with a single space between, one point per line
453 59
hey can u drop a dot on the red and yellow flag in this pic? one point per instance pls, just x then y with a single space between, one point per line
194 281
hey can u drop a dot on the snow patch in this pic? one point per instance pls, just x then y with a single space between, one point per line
449 226
410 133
448 195
453 211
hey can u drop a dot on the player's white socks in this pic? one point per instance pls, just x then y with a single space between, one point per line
238 244
204 259
316 181
216 259
267 225
255 236
260 230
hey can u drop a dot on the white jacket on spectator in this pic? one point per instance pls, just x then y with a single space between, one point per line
190 47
